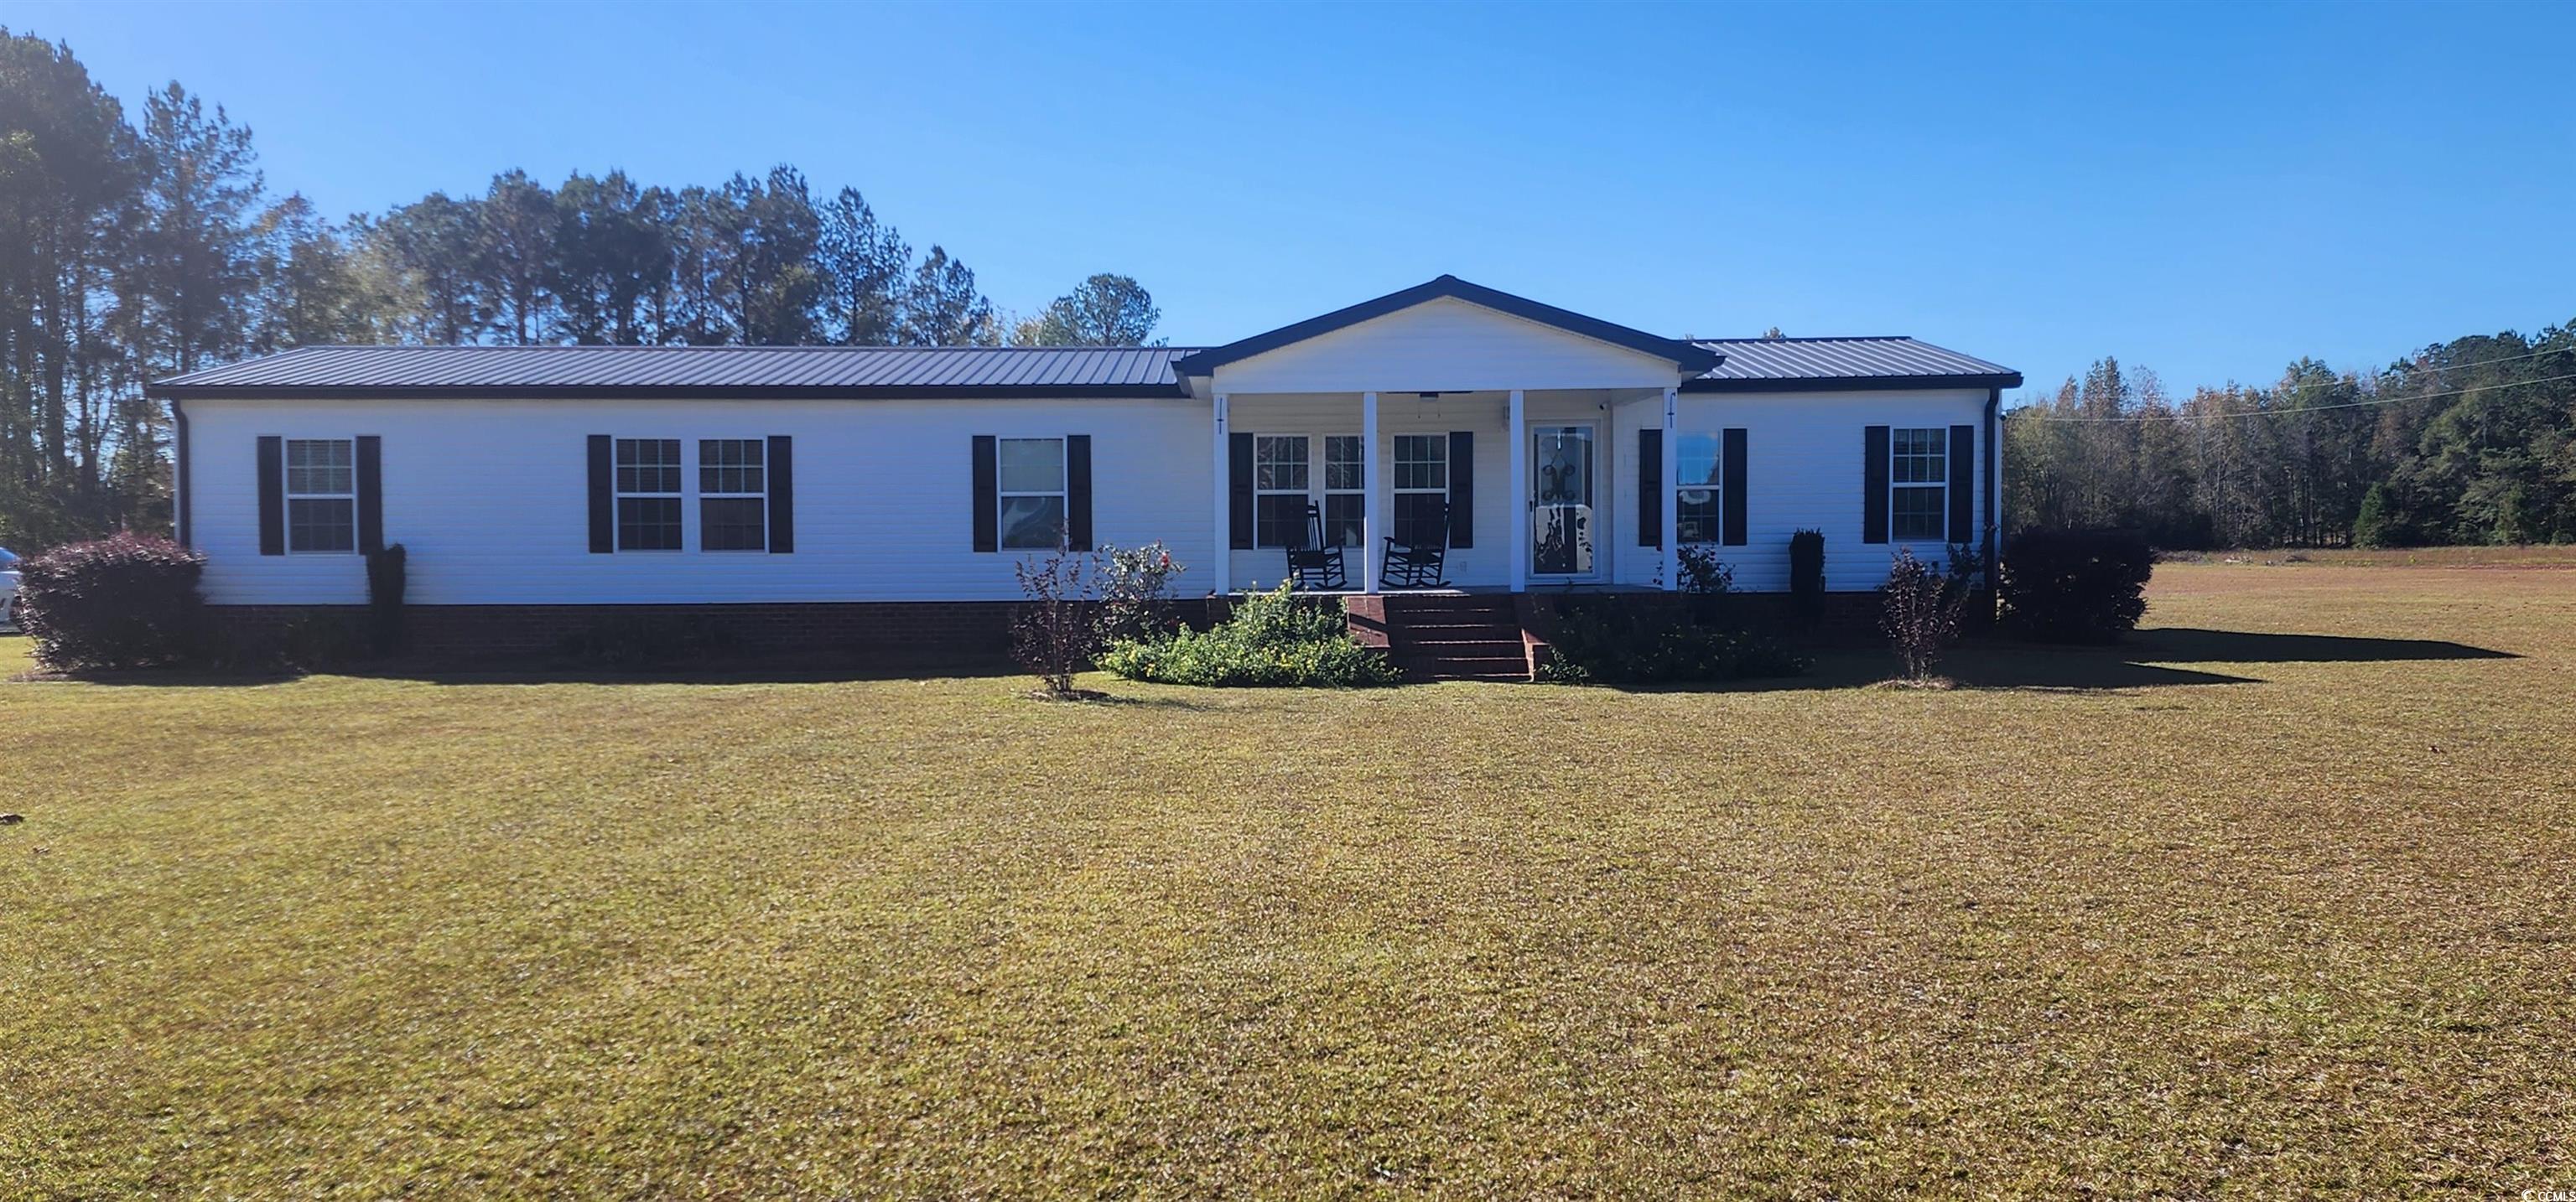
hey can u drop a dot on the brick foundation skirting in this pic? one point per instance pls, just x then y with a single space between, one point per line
905 634
878 633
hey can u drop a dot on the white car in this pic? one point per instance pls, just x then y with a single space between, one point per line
8 590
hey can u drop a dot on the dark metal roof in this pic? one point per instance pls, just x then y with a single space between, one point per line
1683 354
860 372
873 372
1817 364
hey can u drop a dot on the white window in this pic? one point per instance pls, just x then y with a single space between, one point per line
1280 480
1919 472
321 495
648 494
733 494
1031 474
1345 490
1422 490
1695 495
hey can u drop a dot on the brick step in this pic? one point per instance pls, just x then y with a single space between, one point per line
1451 634
1462 645
1447 606
1499 667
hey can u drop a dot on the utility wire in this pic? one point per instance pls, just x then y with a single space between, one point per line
2025 412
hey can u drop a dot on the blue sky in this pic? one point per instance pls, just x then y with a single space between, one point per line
2208 190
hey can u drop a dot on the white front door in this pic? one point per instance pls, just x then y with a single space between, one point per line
1562 488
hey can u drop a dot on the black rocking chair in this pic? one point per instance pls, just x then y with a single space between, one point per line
1318 563
1419 565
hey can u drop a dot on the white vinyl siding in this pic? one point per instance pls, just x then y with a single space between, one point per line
490 497
1804 470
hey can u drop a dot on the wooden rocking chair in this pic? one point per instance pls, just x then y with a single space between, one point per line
1316 563
1419 565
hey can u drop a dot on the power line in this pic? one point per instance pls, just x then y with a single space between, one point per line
2178 415
2423 365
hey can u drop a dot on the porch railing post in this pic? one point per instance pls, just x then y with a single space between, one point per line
1221 551
1369 507
1519 506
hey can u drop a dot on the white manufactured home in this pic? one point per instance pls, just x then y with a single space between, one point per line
1532 447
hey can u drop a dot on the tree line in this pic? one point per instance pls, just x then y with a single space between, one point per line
136 249
2471 441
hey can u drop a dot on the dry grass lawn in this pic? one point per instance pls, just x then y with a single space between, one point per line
2281 899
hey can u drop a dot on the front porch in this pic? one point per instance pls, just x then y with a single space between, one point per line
1450 415
1519 489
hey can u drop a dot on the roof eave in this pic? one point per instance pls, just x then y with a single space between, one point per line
1856 383
614 392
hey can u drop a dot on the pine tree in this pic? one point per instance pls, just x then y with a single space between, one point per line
942 307
514 256
863 264
1105 310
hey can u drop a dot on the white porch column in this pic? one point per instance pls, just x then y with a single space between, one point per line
1519 501
1369 508
1221 558
1671 511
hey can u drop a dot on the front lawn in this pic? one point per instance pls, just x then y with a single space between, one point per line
2290 908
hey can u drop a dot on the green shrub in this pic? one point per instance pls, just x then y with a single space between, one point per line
2075 586
1609 641
1272 639
127 601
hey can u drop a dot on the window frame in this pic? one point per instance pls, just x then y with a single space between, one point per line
1397 489
288 495
1913 447
1003 494
1304 491
700 468
679 466
1713 507
1352 527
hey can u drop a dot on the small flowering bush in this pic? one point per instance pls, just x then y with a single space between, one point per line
1919 610
1272 639
1136 592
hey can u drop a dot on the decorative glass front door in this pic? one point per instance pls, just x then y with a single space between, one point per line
1561 501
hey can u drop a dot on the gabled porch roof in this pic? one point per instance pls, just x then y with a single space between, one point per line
1691 359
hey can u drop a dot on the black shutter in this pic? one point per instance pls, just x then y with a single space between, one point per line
1077 491
1462 488
1873 485
1963 477
603 494
1238 490
1730 510
782 495
988 495
272 495
371 493
1650 488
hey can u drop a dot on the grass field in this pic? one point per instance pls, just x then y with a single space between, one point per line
2279 899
